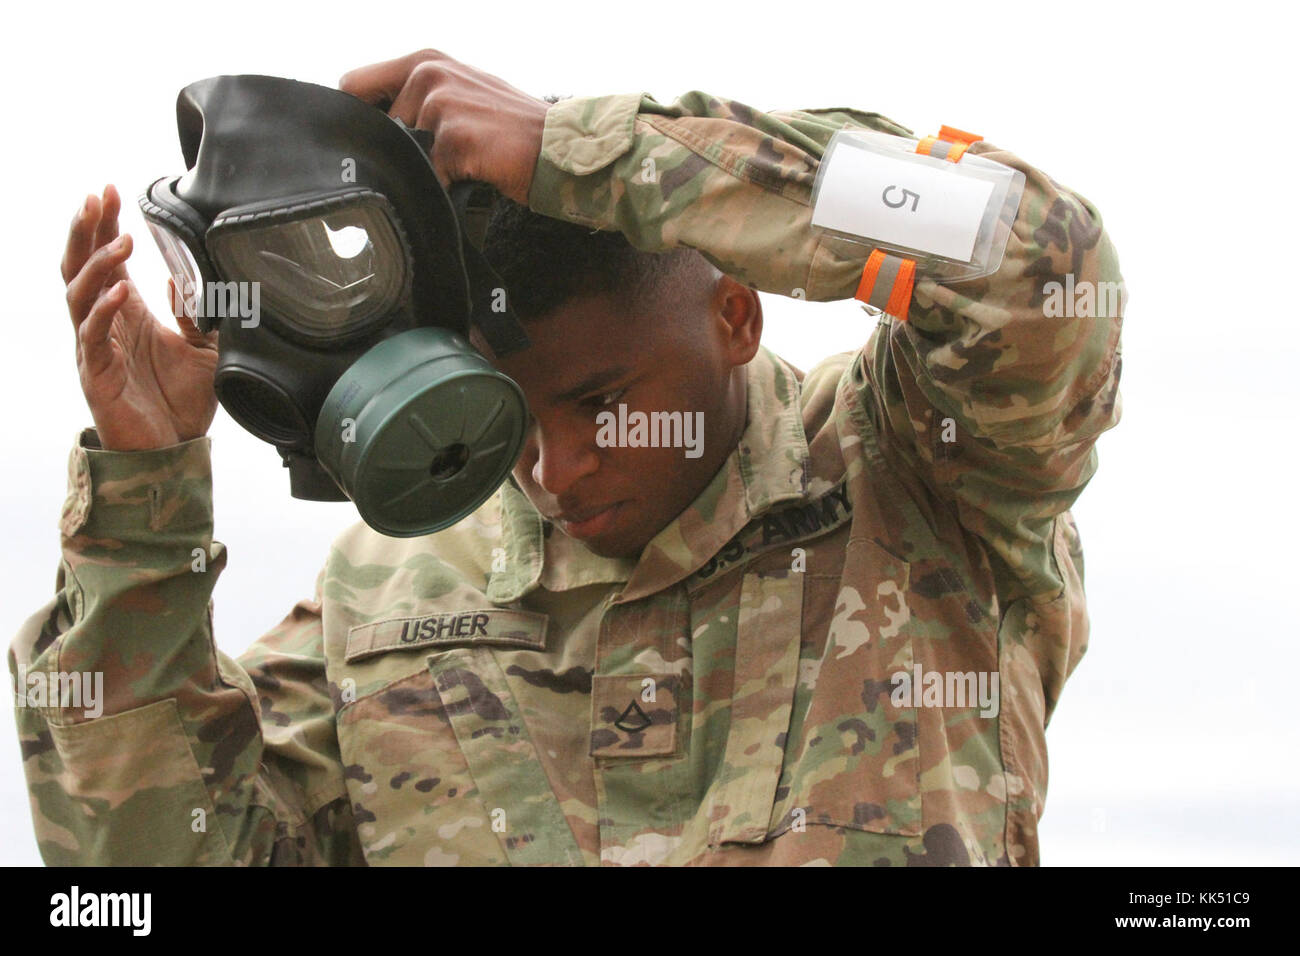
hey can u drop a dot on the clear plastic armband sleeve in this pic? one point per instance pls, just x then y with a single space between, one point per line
952 219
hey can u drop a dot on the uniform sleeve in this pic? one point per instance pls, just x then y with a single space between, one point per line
993 391
142 743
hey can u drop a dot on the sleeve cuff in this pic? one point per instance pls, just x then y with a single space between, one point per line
163 489
581 136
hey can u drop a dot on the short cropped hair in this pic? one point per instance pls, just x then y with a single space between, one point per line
546 262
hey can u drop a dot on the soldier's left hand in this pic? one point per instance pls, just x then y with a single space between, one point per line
483 128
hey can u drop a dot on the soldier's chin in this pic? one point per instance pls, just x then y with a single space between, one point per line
618 542
620 551
614 545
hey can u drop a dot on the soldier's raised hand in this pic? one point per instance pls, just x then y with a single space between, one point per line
147 386
483 128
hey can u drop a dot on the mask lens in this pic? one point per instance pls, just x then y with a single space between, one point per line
183 268
324 276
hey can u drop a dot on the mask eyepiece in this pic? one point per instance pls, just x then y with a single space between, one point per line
328 270
179 236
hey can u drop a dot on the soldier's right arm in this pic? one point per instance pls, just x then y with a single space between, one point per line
141 741
184 757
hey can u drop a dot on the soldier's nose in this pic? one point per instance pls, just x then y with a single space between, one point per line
561 460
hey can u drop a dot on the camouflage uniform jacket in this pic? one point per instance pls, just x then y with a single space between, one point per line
495 693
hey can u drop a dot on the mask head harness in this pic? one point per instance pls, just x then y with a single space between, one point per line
345 285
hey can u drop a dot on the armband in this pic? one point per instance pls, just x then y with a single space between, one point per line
925 206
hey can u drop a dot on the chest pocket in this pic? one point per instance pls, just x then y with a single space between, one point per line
815 738
438 758
494 741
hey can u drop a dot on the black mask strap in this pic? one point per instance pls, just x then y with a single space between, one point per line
490 308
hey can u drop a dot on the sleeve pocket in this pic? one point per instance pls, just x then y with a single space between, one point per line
132 792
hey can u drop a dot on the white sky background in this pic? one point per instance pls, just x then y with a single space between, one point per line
1175 740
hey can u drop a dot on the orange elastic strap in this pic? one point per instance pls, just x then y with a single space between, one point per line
954 135
901 297
960 141
957 152
869 273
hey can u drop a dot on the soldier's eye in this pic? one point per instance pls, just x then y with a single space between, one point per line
605 398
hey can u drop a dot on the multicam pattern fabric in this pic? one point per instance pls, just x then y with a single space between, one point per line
497 694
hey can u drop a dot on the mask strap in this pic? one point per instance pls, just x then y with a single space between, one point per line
491 321
490 311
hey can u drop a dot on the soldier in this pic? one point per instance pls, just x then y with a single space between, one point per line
628 655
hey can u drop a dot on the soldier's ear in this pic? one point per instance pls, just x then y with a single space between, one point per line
738 315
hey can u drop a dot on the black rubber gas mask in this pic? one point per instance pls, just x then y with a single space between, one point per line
345 283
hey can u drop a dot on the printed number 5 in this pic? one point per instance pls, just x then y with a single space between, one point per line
884 197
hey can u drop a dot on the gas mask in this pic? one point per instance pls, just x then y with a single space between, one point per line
345 285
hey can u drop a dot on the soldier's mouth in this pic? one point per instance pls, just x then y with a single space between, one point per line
588 523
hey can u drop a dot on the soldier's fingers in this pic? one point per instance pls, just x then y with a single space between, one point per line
380 83
110 206
417 104
99 268
81 238
108 225
93 334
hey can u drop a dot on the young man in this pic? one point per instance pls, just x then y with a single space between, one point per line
746 654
